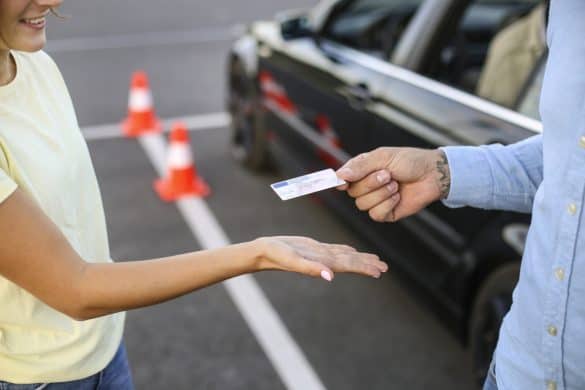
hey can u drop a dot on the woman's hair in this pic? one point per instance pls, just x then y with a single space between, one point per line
58 15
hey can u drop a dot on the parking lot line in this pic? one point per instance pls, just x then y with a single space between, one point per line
193 122
281 349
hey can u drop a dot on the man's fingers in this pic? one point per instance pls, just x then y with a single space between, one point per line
403 210
343 187
370 183
374 198
362 165
384 212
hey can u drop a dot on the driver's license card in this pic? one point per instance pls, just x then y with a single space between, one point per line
307 184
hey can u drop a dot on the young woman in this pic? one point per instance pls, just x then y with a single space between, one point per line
61 297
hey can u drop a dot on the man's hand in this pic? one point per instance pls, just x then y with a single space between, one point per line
394 183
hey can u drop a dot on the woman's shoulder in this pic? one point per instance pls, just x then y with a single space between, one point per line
37 62
40 69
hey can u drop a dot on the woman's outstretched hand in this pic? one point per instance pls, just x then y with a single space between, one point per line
310 257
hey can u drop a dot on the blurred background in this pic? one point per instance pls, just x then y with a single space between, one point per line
270 95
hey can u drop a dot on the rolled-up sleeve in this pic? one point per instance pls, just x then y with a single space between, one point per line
495 177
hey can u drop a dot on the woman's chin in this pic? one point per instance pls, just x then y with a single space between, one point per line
32 46
30 43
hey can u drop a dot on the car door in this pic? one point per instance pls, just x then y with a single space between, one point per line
323 98
423 243
320 90
410 110
315 126
426 244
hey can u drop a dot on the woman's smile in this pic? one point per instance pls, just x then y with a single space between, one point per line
37 23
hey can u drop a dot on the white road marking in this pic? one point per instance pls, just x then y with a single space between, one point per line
282 350
146 39
193 122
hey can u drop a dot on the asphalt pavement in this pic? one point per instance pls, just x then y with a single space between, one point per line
355 333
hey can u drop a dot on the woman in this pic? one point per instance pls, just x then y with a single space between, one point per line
61 297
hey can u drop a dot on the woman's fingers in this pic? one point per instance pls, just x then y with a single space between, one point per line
361 263
310 257
340 247
315 269
344 258
287 257
351 253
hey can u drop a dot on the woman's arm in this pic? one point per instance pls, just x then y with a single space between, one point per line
35 255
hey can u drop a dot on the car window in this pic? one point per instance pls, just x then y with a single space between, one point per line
529 102
505 1
373 26
495 48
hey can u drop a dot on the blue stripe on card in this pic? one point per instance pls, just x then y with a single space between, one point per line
280 184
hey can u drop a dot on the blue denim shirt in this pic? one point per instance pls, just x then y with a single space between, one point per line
542 339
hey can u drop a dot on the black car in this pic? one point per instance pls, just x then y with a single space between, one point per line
310 89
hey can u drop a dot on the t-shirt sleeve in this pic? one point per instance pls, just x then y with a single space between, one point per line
7 185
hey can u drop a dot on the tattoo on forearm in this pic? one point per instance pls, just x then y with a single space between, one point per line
444 175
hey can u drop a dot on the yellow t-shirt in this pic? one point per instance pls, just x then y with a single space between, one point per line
42 151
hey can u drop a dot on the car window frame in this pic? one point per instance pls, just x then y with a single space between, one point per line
447 91
333 12
445 32
340 7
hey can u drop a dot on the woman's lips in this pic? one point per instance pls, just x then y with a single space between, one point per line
36 24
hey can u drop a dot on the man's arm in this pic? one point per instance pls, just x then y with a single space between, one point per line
495 176
393 183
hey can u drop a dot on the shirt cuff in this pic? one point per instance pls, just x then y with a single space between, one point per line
471 180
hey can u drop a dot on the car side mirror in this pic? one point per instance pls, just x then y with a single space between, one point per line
295 27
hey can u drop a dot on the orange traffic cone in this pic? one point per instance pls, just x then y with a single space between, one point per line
182 179
141 117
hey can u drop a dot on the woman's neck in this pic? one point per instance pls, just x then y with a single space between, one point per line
7 67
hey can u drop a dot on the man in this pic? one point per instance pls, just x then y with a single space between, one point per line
542 337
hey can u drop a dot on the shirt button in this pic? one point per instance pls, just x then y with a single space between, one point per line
552 330
550 385
572 209
560 274
582 141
